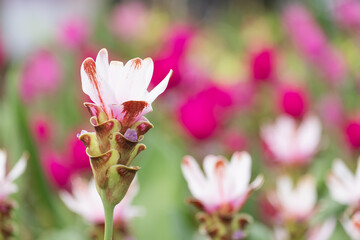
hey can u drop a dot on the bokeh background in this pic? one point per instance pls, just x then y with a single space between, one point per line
237 65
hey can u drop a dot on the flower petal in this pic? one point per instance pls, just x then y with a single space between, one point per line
194 177
159 89
2 164
18 169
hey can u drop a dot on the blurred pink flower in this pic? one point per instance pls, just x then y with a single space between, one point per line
201 114
42 74
263 65
347 13
225 187
86 202
57 169
352 133
41 129
234 141
290 143
344 186
73 32
352 225
295 202
121 90
293 101
128 20
323 231
171 55
310 39
331 110
7 179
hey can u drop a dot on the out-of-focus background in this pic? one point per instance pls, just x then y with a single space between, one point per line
237 66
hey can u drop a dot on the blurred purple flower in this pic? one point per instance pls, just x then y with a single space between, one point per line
171 55
263 65
201 114
293 101
41 130
41 74
128 20
56 169
73 33
347 13
312 42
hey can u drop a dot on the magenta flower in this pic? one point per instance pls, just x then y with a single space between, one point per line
201 114
263 65
171 55
312 42
73 32
352 133
225 186
293 101
120 90
42 74
347 13
291 143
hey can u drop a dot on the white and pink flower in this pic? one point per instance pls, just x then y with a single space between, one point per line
86 202
294 202
225 186
344 186
291 143
7 179
121 90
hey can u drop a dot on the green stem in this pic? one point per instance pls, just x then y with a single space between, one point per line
109 212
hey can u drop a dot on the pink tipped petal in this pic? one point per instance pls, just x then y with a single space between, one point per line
194 177
18 169
160 88
102 65
90 83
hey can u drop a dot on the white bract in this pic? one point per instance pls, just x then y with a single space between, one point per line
291 143
86 202
111 85
344 186
295 202
7 185
224 185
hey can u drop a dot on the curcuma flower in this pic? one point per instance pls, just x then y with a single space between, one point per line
225 188
344 186
7 179
121 100
86 202
290 143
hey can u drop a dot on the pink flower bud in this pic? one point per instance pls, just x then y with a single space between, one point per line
352 133
293 101
347 13
42 74
73 33
263 65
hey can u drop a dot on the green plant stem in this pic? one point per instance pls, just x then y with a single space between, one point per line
109 212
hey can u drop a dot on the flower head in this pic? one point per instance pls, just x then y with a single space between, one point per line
86 202
290 143
7 179
121 90
225 187
352 226
344 186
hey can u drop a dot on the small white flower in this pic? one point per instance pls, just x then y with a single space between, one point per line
352 226
322 232
344 186
295 202
86 202
121 90
7 179
225 186
290 143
